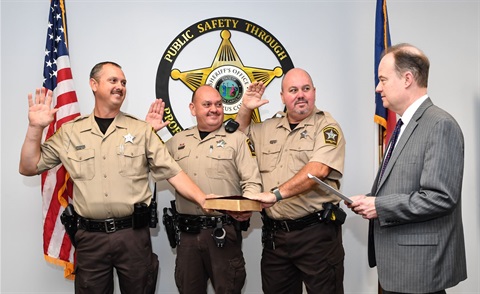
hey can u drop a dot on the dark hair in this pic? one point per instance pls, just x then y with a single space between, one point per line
94 73
409 58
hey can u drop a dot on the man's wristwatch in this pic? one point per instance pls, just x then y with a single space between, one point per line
277 194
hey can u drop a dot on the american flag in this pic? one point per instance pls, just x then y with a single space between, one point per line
57 189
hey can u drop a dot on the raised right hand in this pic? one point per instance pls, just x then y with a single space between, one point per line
155 115
40 112
253 96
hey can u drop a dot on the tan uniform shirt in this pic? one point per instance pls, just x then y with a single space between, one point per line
222 163
281 153
109 172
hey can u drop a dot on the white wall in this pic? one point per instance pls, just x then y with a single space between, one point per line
333 40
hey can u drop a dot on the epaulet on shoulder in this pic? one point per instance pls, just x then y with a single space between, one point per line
327 115
79 118
279 114
131 116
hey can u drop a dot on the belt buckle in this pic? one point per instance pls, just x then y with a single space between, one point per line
284 226
110 225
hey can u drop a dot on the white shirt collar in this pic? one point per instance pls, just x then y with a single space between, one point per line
409 112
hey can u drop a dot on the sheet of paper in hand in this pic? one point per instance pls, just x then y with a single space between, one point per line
327 187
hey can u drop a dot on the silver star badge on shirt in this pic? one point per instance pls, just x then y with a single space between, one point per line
129 138
221 143
303 135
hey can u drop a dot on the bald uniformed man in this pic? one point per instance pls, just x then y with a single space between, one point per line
109 155
222 163
302 241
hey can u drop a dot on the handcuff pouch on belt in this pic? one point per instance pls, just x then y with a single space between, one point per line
141 215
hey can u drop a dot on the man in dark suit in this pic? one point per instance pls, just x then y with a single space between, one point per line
416 234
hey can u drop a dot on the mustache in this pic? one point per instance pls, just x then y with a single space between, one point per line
117 92
301 100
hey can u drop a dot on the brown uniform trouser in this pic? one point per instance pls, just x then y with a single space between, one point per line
199 259
313 256
129 251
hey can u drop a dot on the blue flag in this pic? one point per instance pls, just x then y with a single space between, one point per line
382 42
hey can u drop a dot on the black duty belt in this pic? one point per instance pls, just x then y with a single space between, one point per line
293 224
108 225
193 223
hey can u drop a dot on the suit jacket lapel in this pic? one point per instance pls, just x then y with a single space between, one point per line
409 129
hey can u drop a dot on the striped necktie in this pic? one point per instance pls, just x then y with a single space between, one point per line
393 140
371 247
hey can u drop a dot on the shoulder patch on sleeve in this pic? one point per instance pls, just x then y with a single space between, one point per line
251 146
330 135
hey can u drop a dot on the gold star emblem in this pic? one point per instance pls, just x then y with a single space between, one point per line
226 56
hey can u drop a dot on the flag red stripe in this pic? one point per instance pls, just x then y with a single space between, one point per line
64 74
66 98
66 248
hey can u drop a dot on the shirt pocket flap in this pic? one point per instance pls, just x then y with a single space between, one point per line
221 154
303 145
271 149
81 155
133 151
181 154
